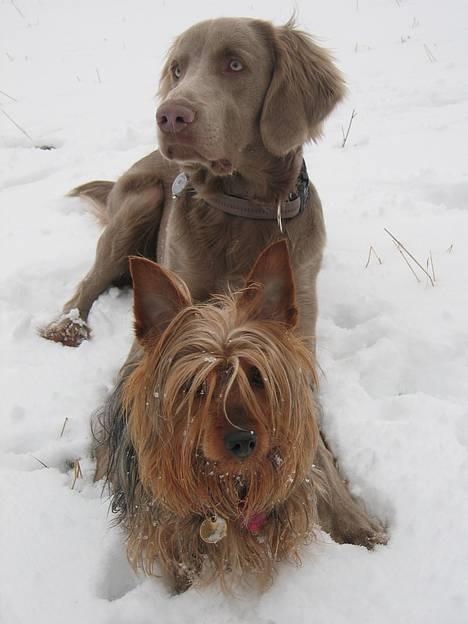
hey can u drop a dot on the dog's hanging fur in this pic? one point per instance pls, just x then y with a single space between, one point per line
232 363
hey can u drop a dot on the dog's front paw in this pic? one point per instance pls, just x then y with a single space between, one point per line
370 538
69 329
367 532
378 538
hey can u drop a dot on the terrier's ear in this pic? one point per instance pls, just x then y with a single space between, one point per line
158 296
270 293
305 87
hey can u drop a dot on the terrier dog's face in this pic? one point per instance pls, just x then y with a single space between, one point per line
221 409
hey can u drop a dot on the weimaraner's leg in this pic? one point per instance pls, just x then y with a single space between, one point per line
132 227
344 518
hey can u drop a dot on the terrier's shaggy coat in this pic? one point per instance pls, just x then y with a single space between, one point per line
216 422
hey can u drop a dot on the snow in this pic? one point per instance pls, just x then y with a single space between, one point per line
81 76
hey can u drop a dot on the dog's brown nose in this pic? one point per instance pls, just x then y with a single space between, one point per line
173 118
240 443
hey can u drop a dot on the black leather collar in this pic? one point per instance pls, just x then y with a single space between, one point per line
247 208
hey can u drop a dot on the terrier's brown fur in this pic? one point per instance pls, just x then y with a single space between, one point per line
206 371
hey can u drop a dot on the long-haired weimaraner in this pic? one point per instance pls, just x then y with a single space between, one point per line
239 98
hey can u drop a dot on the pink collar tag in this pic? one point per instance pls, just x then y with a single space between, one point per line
256 523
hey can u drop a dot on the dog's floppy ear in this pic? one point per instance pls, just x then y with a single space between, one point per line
270 293
304 89
158 296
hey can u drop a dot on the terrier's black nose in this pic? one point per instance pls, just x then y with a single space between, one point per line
240 443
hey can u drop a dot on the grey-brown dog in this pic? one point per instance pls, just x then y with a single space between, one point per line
239 98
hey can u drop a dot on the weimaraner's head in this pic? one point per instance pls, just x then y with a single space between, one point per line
233 86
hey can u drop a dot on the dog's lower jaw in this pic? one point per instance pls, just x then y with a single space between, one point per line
161 542
190 159
252 172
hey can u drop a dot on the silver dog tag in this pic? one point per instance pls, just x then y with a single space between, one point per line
179 184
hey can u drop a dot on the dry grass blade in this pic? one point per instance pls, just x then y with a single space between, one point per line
345 135
77 474
19 127
20 12
430 56
450 249
431 259
64 425
372 251
402 249
40 461
368 257
8 96
406 260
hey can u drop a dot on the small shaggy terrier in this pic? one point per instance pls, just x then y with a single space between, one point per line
209 439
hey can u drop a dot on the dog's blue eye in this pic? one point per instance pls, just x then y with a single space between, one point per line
255 378
176 71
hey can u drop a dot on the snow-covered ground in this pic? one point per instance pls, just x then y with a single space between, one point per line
81 76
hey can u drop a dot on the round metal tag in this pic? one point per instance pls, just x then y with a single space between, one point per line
179 184
212 530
